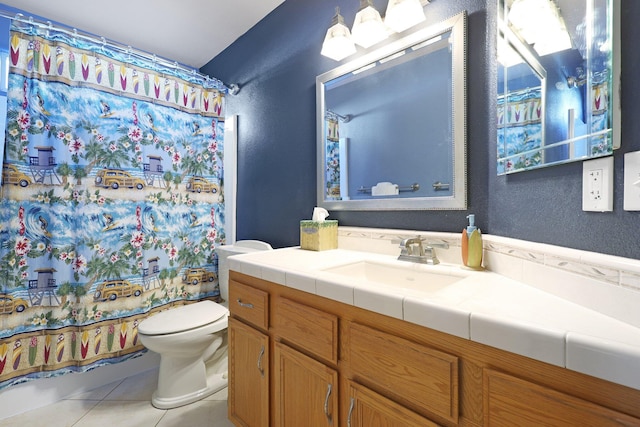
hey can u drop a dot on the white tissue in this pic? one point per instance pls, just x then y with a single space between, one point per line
319 214
385 189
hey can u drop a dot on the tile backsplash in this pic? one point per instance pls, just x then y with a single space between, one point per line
605 283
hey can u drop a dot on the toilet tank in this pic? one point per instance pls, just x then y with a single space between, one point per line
225 251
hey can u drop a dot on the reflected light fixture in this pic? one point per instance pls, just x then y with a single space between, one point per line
507 56
337 43
541 24
403 14
368 28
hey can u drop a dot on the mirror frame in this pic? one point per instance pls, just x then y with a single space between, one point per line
457 25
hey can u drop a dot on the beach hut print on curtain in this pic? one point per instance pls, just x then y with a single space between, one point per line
112 201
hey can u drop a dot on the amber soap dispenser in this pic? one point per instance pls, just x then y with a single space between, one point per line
472 245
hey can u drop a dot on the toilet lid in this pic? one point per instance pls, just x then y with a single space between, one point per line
183 318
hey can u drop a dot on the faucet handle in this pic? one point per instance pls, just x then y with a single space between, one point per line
443 245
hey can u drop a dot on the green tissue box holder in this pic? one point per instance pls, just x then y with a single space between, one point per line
319 236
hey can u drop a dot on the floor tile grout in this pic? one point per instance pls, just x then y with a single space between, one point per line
129 395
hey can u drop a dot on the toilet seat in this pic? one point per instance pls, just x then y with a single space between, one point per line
181 319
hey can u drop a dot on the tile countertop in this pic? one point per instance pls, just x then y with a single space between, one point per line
482 306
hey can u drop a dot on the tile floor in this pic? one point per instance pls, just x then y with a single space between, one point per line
124 403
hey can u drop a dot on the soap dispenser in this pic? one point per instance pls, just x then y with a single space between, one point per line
472 245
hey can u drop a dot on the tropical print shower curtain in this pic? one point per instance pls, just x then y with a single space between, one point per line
111 203
520 130
332 153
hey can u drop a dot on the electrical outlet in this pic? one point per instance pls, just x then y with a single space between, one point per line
597 185
632 181
594 182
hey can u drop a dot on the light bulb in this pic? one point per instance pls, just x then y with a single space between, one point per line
403 14
368 28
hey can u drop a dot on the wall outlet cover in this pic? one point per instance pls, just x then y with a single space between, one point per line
597 185
632 181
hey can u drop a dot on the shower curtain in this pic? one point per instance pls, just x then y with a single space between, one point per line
111 203
519 130
332 155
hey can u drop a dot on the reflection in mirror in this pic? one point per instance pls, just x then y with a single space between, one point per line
556 82
521 106
5 23
391 125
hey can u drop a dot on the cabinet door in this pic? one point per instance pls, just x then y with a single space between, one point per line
306 391
248 375
510 401
367 408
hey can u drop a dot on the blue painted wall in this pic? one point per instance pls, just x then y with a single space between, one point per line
276 63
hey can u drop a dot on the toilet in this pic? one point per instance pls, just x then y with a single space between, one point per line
224 252
192 340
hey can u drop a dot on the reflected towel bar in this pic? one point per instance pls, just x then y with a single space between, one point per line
413 187
440 186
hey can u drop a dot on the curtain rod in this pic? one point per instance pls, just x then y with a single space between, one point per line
121 48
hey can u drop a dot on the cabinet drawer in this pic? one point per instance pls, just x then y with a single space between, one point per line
367 408
313 330
249 303
410 372
512 401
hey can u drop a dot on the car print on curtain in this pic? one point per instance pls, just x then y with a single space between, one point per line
112 202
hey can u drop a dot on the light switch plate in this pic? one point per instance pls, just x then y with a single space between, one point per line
597 185
632 181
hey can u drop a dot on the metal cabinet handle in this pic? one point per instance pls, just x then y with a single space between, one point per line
244 304
326 403
260 361
351 405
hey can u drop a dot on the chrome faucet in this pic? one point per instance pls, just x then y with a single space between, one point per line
413 250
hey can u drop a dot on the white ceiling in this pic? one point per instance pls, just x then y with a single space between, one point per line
191 32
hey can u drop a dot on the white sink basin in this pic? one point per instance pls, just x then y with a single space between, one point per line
411 276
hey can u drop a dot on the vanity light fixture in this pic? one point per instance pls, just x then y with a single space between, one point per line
337 43
368 28
404 14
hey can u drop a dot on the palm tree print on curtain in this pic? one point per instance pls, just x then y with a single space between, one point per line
111 202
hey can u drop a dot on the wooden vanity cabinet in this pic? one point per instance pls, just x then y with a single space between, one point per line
297 359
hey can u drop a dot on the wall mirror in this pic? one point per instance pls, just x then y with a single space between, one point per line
391 125
558 82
